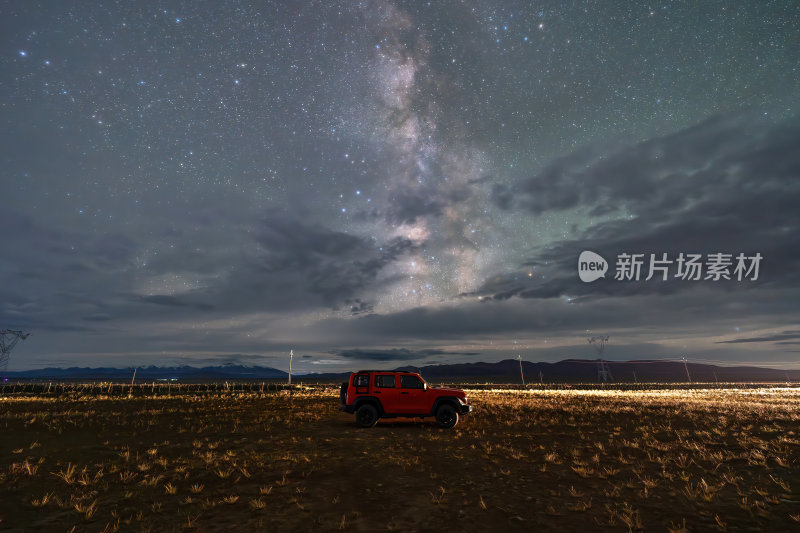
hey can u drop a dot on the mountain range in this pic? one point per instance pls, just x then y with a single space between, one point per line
506 371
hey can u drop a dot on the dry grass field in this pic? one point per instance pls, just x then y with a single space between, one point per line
559 460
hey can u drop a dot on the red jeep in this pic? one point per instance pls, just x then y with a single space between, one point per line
374 394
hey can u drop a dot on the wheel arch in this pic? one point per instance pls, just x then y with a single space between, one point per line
451 400
372 400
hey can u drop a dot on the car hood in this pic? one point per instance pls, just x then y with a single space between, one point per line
455 392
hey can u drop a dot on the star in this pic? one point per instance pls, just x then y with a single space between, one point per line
244 206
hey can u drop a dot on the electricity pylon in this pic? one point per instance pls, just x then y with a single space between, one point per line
603 372
8 339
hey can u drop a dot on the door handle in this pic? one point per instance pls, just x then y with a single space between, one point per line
377 392
403 393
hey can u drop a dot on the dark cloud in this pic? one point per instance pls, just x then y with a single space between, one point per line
767 338
173 301
721 155
357 307
408 206
397 354
686 313
277 263
727 185
411 203
294 265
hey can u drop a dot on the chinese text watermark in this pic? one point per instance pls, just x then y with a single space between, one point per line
685 266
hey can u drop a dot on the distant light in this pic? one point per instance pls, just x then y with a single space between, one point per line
358 193
23 53
344 210
178 20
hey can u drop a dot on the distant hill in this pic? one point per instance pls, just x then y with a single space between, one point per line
585 371
506 371
154 372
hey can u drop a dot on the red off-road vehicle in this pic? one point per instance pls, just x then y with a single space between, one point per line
374 394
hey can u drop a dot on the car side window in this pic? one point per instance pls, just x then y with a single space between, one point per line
386 382
411 382
362 380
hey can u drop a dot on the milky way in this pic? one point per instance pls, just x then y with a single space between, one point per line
222 182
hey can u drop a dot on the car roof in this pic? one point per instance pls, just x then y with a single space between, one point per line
386 372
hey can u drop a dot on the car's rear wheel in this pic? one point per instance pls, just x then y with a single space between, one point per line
446 416
366 416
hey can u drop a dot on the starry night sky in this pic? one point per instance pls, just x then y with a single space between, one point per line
394 182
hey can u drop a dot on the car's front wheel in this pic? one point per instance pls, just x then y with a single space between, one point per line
446 416
366 416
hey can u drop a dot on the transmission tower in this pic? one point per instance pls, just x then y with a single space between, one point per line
8 339
603 372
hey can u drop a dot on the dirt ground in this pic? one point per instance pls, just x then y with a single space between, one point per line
698 460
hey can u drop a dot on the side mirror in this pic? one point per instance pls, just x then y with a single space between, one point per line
425 386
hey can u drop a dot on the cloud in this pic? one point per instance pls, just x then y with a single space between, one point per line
292 265
173 301
635 317
357 307
729 185
74 281
786 335
395 354
668 172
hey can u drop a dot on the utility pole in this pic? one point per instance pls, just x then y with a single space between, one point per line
520 369
130 390
291 354
686 366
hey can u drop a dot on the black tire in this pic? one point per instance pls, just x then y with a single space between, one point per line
366 416
446 416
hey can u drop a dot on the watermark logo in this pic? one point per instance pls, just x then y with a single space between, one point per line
684 266
591 266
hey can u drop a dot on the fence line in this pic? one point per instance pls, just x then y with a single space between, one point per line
264 388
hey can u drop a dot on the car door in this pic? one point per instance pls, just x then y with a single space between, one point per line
384 387
413 394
